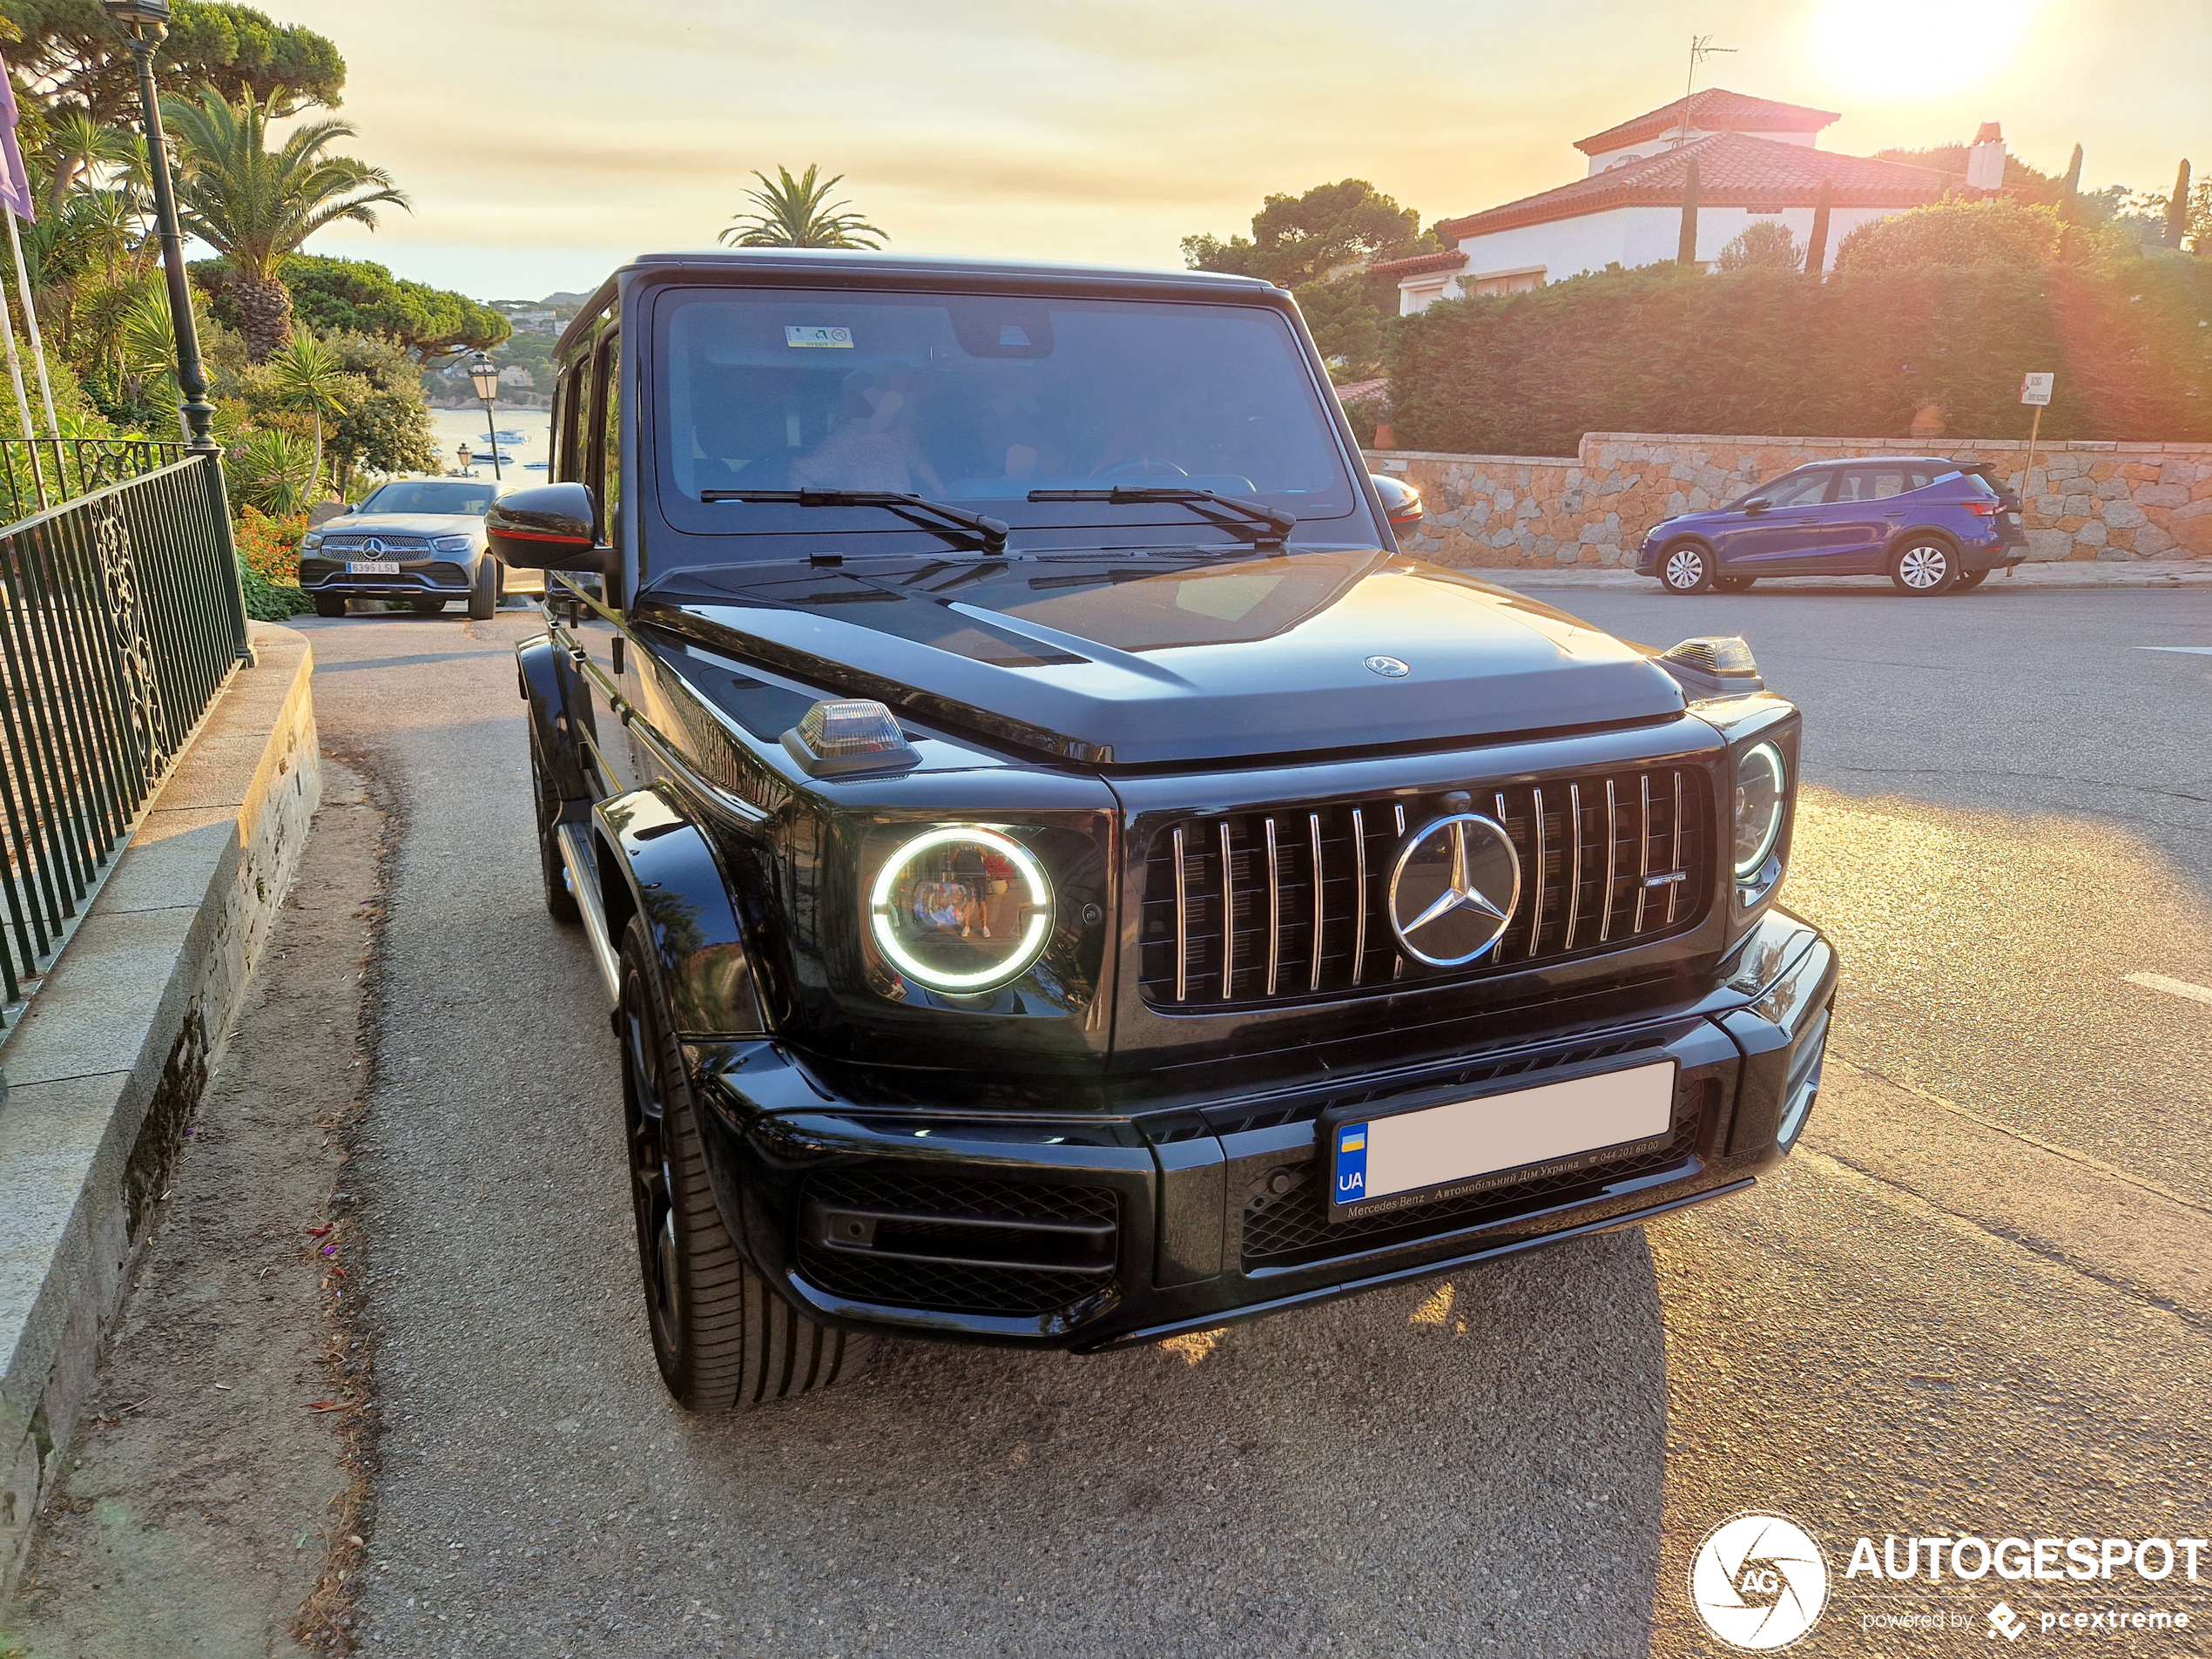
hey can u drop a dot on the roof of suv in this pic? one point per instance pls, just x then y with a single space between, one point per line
1885 460
859 268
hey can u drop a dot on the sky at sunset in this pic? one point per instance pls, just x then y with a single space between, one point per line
543 143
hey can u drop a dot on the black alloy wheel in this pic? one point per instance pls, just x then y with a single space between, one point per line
1924 566
330 604
1734 583
1686 568
485 593
723 1339
560 901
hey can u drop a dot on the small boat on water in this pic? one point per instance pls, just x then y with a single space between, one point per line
484 458
506 434
533 466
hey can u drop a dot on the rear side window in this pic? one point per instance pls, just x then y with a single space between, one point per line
1878 483
1978 485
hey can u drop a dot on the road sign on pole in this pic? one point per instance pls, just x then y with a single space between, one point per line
2035 390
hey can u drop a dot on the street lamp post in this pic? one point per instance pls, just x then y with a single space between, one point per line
484 374
143 24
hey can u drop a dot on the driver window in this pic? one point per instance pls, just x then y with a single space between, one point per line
1796 490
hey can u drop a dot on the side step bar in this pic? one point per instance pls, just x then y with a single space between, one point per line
583 882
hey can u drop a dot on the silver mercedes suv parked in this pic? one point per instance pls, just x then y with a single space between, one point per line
417 539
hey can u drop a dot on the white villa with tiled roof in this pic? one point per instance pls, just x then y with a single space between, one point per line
1757 161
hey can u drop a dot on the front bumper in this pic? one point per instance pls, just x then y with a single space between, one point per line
415 579
1096 1232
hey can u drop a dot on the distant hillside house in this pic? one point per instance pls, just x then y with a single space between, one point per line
1757 161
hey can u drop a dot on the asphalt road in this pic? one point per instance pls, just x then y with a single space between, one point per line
1977 1300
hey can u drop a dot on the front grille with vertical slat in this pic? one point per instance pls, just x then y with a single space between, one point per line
1254 908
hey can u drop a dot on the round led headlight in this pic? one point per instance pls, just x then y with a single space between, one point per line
961 908
1761 791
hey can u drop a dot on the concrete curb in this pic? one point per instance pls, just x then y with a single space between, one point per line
2078 576
106 1069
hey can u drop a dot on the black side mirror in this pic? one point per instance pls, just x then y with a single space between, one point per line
547 528
1757 504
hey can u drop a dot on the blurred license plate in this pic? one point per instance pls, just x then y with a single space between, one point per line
374 567
1443 1151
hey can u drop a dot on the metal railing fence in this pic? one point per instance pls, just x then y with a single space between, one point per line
119 622
39 473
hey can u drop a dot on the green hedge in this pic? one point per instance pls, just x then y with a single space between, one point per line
1765 351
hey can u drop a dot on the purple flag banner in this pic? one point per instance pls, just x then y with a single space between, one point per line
15 184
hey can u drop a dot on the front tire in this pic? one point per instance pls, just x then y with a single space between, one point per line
483 596
1924 566
560 902
330 604
1686 567
722 1338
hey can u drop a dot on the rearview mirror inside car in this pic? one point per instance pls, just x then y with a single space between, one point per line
547 528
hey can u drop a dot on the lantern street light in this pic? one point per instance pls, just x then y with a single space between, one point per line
464 453
485 374
143 24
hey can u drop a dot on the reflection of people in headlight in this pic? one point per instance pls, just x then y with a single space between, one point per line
949 907
875 447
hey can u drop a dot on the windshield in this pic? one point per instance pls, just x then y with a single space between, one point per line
979 400
429 496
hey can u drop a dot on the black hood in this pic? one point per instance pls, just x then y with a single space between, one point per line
1133 661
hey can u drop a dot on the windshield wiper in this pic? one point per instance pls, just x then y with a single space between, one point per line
1270 525
918 507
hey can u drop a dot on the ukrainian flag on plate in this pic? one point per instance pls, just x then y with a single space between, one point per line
1351 1163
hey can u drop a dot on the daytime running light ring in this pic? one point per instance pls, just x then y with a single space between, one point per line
1748 869
1033 936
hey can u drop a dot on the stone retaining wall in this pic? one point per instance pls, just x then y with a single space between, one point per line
2084 501
103 1072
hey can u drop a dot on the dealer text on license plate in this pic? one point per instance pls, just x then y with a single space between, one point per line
374 567
1433 1150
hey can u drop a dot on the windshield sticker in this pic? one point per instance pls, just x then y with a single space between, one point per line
807 334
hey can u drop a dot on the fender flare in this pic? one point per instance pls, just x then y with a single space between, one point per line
541 675
1898 542
656 863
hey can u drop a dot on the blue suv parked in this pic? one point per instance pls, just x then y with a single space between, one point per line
1930 525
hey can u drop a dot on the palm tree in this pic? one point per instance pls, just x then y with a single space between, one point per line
308 376
78 147
253 205
797 212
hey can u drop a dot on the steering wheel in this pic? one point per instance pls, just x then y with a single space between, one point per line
1145 467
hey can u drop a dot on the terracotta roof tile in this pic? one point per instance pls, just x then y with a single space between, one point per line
1715 110
1360 391
1415 265
1733 170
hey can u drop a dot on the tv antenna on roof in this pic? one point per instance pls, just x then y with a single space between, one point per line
1701 48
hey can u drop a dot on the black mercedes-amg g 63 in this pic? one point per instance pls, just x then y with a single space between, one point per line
1061 876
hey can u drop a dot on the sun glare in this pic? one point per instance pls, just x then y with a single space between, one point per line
1894 50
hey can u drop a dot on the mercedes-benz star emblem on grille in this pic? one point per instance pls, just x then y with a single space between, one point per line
374 545
1453 889
1389 667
